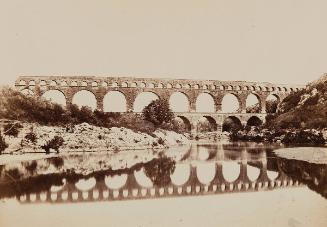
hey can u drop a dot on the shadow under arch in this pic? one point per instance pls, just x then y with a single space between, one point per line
207 124
114 101
232 123
184 125
254 121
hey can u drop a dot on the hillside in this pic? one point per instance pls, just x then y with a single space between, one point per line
306 108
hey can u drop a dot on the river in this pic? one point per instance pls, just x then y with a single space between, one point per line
227 184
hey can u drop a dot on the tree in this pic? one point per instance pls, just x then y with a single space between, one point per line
3 144
158 112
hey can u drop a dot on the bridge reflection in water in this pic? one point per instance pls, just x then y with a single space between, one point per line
194 176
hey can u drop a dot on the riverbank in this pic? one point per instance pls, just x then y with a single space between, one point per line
84 137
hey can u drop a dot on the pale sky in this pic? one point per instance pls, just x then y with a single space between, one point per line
280 41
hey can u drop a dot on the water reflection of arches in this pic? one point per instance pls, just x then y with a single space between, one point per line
114 101
230 103
205 103
55 96
142 179
115 181
143 99
179 102
181 174
231 171
85 98
86 185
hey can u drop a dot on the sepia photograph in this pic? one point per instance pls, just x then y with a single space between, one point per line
163 113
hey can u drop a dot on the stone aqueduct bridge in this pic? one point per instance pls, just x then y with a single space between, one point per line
163 88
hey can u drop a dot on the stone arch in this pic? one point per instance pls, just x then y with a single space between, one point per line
206 124
254 121
63 83
84 84
22 83
55 96
27 92
245 88
205 103
85 98
124 84
142 85
179 102
114 84
43 83
169 85
73 84
187 86
134 84
205 87
53 83
232 123
114 101
230 103
229 88
272 102
104 84
151 85
222 87
253 103
31 83
182 123
94 84
206 172
178 86
196 86
231 171
143 99
160 85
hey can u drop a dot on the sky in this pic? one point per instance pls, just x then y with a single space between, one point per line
280 41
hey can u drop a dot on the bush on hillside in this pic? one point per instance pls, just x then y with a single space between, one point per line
158 112
3 144
12 129
54 143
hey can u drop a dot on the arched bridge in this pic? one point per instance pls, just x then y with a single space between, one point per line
129 88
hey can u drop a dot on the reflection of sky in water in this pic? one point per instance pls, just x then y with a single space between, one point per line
206 172
231 170
181 174
115 181
142 179
86 185
253 172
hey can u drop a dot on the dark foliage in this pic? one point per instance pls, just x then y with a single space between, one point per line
54 143
12 129
158 112
31 137
3 144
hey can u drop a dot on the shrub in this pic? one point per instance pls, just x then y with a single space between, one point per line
158 112
31 137
3 144
12 129
54 143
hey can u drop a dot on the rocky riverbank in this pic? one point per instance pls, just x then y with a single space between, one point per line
286 136
88 138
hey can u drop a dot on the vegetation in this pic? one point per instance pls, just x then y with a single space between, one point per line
3 144
54 143
12 129
158 112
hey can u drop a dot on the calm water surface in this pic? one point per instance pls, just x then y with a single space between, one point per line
232 184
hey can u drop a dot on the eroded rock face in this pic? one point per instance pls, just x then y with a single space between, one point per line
86 137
